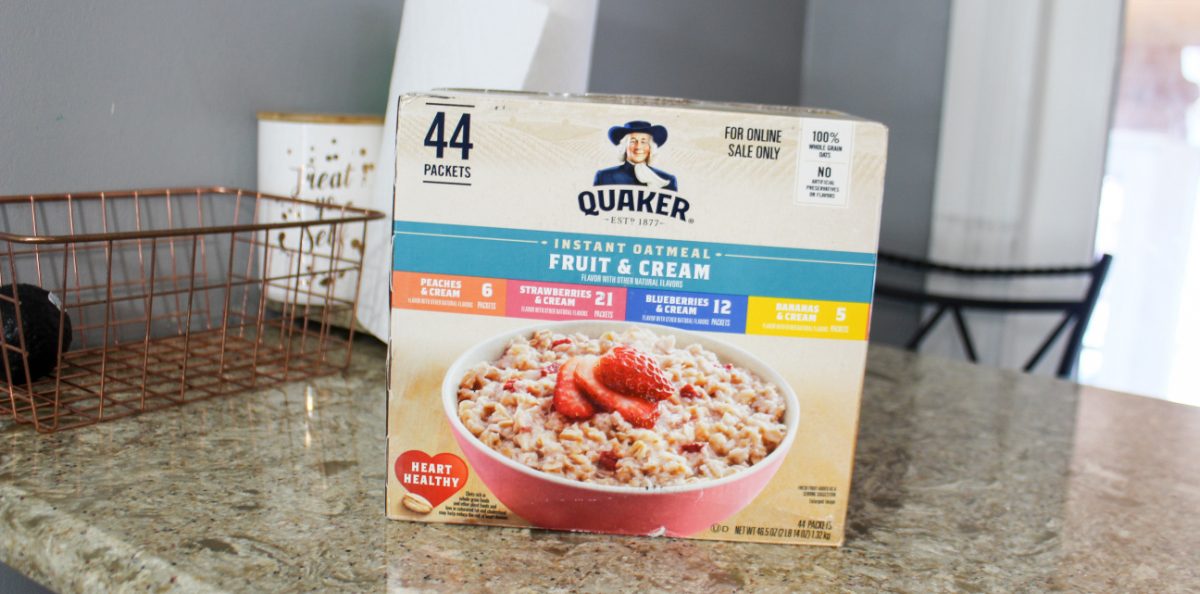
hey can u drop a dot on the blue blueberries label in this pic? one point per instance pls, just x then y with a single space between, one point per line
710 312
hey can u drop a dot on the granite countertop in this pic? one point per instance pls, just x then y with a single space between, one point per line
966 479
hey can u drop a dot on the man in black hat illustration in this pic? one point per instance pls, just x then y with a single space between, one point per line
638 141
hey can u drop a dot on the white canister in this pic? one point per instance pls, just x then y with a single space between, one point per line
330 159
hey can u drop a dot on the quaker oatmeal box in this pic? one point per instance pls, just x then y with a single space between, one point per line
629 315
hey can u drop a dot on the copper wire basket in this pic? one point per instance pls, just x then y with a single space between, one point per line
175 296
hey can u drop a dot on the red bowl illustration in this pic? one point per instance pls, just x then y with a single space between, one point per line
559 503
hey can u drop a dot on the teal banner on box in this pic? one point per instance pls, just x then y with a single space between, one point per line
633 262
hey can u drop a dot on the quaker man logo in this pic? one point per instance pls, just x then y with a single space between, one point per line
639 141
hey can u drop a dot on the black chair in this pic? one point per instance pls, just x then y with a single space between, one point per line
1077 311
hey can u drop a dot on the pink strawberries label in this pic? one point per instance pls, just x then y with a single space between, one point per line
556 301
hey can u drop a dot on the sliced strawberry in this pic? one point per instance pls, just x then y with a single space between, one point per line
629 371
549 369
641 413
692 447
690 391
560 342
568 399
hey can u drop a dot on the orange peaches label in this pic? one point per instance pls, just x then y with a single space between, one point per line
441 292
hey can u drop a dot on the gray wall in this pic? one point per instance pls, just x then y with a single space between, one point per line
886 60
141 93
748 50
151 93
144 93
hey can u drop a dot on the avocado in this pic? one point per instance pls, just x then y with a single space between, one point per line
39 320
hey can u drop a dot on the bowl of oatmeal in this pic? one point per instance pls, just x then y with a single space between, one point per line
619 427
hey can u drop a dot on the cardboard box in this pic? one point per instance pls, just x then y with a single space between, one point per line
584 340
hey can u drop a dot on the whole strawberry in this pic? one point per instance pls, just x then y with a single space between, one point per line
629 371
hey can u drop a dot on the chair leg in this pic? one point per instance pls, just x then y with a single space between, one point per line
1099 272
1046 344
915 341
964 334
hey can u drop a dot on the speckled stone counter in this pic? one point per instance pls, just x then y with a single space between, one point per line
966 479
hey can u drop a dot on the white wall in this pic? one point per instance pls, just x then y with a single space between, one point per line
1029 86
